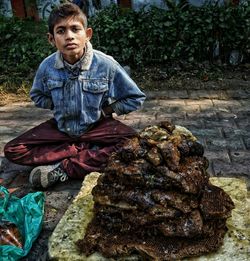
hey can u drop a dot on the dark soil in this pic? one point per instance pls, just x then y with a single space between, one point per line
204 77
8 98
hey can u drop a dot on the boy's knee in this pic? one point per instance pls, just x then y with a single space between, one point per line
9 151
7 154
6 148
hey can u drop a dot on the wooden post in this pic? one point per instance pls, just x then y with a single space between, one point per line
18 8
125 3
31 9
25 8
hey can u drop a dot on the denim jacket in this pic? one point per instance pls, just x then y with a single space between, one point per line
77 99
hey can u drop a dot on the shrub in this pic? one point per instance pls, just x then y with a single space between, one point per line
180 33
23 47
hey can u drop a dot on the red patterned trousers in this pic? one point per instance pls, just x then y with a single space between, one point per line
45 144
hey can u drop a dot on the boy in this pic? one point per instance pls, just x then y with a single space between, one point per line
83 87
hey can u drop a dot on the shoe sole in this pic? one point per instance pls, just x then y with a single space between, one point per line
32 173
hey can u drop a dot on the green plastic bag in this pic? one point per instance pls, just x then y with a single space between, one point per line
27 214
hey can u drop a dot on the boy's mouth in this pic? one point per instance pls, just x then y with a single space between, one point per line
71 46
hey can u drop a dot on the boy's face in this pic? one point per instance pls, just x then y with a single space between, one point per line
70 38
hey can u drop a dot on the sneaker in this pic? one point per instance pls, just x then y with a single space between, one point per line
46 176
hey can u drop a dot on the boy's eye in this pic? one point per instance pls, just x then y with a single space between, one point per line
60 31
75 29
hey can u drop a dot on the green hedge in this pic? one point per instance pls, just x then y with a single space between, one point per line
182 32
23 46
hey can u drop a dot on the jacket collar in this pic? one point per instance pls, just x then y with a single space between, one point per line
85 61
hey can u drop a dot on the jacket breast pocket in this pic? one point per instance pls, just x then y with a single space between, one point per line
94 93
56 90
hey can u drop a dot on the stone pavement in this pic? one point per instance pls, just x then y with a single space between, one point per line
219 119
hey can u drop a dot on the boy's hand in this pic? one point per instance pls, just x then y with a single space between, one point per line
107 111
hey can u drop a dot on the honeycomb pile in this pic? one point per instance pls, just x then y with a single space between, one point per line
154 200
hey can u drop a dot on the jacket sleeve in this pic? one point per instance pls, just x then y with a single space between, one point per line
39 92
124 93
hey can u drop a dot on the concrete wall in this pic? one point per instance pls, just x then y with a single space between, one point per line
44 6
5 8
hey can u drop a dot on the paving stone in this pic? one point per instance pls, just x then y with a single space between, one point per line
219 123
239 94
6 138
241 110
167 103
161 116
5 130
148 110
242 123
2 144
174 109
224 169
137 115
20 123
12 173
144 122
150 103
210 169
24 114
134 123
235 132
221 109
240 156
56 204
244 115
247 142
218 94
202 132
236 83
190 124
219 144
39 250
178 94
157 95
71 185
202 142
8 122
160 108
20 180
245 103
192 108
203 94
207 107
225 115
207 114
193 95
201 102
210 115
226 103
214 155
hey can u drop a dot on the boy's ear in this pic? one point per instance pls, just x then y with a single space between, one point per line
89 33
51 39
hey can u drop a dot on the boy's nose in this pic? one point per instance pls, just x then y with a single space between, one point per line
69 34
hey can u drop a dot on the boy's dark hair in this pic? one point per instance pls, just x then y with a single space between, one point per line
63 11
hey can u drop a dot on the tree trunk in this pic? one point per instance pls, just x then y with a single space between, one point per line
18 8
125 3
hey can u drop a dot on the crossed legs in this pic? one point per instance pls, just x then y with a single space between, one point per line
45 144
